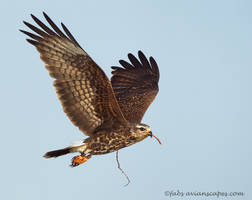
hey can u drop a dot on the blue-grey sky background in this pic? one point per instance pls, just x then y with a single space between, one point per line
202 114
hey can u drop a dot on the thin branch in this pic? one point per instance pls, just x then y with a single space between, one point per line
118 164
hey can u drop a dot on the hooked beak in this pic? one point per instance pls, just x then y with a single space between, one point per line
151 134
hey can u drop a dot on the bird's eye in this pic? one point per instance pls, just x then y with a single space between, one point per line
142 129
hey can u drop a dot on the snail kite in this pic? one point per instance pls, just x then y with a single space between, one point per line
109 112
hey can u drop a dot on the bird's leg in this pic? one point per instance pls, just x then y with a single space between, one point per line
77 160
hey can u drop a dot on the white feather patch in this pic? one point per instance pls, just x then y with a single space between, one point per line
77 143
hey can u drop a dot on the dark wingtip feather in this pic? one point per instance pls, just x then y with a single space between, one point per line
35 29
33 17
115 67
125 64
140 54
35 37
134 61
69 34
45 15
42 25
154 66
144 60
33 42
54 26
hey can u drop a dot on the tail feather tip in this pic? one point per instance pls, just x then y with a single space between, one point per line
56 153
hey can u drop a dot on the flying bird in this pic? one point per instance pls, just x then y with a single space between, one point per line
109 112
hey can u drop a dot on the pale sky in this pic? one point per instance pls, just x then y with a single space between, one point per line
202 113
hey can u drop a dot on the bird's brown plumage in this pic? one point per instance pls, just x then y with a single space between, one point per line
109 112
135 85
89 99
83 88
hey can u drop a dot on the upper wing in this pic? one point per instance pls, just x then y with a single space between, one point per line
135 85
83 88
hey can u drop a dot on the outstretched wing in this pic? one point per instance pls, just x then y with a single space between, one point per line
83 88
135 85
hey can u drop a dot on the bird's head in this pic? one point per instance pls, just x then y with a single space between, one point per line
141 131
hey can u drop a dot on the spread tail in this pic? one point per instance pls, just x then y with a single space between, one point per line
56 153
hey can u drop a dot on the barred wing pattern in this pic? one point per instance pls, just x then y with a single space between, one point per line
135 85
83 88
